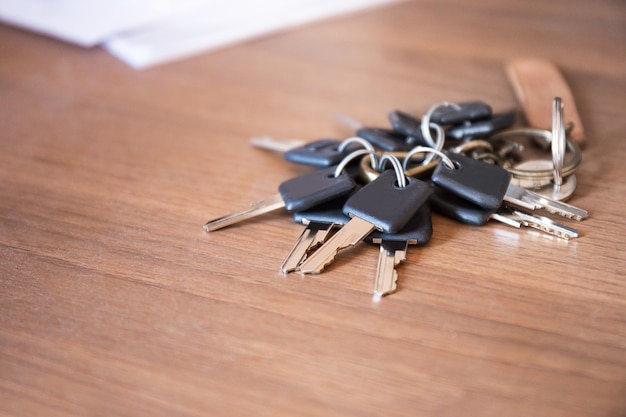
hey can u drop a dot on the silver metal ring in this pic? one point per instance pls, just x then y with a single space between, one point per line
558 140
349 158
424 149
396 167
545 135
364 143
426 125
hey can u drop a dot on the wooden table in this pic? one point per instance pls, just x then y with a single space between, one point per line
115 302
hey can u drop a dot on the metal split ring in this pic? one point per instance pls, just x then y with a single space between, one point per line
568 168
349 158
397 167
364 143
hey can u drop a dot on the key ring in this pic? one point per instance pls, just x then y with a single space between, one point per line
427 125
558 140
349 158
397 167
424 149
368 174
539 176
365 144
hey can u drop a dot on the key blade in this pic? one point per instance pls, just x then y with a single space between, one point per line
275 145
314 235
386 279
531 200
546 225
349 235
256 209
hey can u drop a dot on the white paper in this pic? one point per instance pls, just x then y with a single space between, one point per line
150 32
86 23
216 24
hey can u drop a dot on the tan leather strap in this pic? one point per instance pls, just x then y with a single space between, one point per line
536 82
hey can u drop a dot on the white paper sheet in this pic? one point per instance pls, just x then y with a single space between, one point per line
151 32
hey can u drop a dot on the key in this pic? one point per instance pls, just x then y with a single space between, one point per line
526 199
408 126
297 194
465 212
393 248
461 112
381 205
488 186
321 153
481 128
385 139
321 223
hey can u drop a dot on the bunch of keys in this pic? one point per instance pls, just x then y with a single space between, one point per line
352 197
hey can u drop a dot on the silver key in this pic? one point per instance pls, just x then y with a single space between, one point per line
390 256
529 200
544 224
401 203
276 145
313 236
256 209
349 235
297 194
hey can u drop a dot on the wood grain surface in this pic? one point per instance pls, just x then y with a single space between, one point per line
115 302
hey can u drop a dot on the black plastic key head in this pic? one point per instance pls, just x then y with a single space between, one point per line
318 187
456 208
327 213
387 206
475 181
320 153
481 128
408 126
385 139
463 112
417 231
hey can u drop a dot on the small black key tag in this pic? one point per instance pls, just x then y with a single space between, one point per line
307 191
475 181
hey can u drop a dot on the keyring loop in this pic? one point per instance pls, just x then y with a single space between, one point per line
426 125
364 143
424 149
349 158
368 174
396 167
546 136
558 140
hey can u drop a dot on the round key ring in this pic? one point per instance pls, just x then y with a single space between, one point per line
537 174
365 144
423 149
397 167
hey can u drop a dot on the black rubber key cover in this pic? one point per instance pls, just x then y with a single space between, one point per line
417 231
327 213
472 110
385 139
385 205
309 190
408 126
475 181
456 208
320 153
482 128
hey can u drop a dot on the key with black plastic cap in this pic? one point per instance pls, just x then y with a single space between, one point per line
297 194
461 112
321 153
320 222
385 204
488 188
408 126
393 249
481 128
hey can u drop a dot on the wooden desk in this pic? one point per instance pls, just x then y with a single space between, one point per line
115 302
